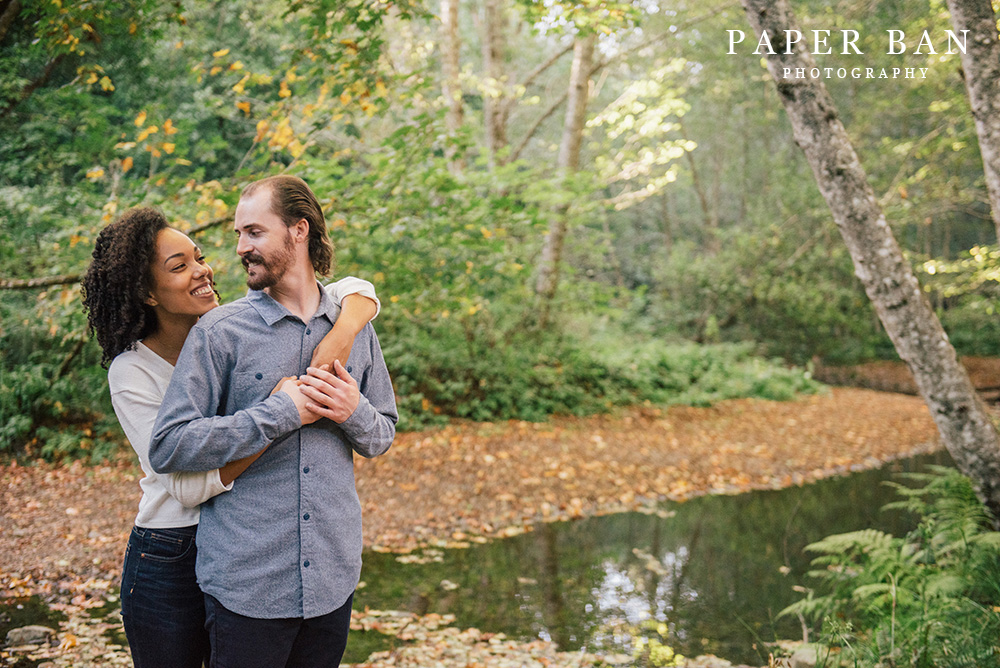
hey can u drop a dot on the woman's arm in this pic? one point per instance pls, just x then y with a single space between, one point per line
359 306
136 411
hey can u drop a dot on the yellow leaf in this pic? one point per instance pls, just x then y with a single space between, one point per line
106 83
168 127
95 173
148 131
132 28
378 277
486 233
394 298
237 66
168 146
140 119
179 45
284 92
240 86
262 127
125 145
91 79
220 53
74 240
215 70
182 161
156 152
339 222
127 164
244 107
345 98
380 89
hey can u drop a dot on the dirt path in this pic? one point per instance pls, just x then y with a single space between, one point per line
63 528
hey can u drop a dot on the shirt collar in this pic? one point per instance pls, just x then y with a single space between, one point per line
271 311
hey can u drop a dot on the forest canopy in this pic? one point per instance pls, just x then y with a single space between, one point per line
564 206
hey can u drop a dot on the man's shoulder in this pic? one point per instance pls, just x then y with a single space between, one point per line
232 313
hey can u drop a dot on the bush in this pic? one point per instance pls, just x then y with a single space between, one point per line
929 599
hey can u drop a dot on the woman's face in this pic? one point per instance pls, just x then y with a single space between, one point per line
181 278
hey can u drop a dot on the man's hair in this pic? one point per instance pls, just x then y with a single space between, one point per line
292 200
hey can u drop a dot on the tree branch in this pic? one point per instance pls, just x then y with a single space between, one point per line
33 86
43 282
11 8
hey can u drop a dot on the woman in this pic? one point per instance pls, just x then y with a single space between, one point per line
147 286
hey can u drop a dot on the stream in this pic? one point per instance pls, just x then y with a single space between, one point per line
716 570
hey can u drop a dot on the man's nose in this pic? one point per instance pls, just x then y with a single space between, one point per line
242 246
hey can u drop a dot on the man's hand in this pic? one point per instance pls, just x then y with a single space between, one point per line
331 396
291 388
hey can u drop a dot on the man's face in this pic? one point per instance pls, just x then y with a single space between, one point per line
264 242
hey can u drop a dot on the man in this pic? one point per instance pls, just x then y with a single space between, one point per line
279 556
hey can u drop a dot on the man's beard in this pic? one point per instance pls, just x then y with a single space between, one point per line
269 270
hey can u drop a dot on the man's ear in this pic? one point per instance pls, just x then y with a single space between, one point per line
300 230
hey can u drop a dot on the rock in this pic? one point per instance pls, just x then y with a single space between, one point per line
803 657
30 635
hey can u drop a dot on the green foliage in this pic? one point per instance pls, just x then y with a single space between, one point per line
931 598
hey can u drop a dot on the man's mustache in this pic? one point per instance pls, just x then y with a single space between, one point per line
253 257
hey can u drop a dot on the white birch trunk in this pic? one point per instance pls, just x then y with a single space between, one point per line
903 308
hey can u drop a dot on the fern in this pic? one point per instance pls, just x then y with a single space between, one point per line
931 598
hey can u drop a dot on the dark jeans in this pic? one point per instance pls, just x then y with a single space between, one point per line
247 642
162 607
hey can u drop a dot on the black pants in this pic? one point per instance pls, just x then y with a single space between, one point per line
247 642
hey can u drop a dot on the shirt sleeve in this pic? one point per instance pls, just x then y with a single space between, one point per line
372 426
351 285
136 411
190 435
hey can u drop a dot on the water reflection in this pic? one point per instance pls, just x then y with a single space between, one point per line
715 570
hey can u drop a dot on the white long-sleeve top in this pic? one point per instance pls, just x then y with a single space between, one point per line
138 379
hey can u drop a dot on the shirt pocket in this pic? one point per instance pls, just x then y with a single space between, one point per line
249 387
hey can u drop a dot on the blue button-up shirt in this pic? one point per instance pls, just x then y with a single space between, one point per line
286 541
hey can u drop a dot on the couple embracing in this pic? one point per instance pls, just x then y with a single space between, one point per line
245 418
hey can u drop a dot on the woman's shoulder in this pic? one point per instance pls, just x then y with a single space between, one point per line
137 367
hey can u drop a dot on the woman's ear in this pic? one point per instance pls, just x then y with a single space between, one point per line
151 300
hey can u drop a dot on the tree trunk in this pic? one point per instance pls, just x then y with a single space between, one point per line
981 64
903 308
568 163
451 87
8 12
495 107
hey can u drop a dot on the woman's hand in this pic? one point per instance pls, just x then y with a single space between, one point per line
282 382
335 346
292 388
331 396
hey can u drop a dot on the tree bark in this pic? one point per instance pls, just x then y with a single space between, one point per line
902 307
451 87
981 64
43 282
8 12
568 162
495 108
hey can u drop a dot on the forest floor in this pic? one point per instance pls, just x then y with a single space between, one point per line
63 527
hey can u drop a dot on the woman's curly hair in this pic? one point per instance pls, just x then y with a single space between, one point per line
117 283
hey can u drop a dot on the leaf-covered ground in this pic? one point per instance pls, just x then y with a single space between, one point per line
63 528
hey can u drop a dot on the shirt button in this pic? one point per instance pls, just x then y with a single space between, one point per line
305 470
308 332
259 376
306 563
306 516
349 369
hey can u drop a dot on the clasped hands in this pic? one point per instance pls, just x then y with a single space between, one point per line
321 394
